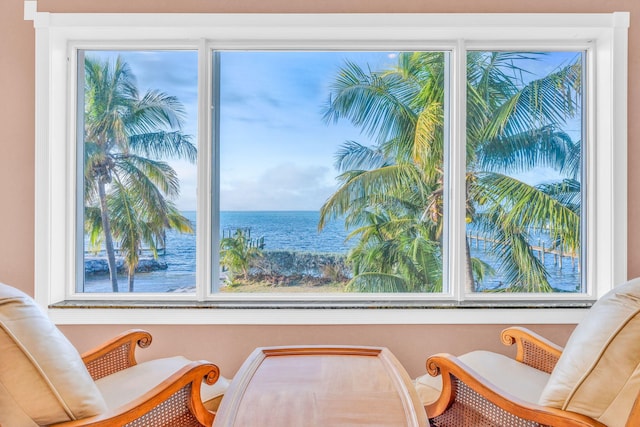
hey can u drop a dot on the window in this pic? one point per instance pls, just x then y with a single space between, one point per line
138 156
465 163
525 155
311 163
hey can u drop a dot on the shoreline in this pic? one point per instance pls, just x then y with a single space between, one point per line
166 275
98 265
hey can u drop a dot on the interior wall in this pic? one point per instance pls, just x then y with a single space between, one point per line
228 345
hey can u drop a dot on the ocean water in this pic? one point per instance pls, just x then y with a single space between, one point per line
281 230
289 231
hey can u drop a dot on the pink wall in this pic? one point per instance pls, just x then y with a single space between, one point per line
229 345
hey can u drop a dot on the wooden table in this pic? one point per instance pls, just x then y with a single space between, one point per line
321 386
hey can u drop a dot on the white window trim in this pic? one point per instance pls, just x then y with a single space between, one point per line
55 155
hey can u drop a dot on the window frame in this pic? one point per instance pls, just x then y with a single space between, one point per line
57 35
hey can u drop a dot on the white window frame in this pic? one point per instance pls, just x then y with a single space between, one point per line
604 36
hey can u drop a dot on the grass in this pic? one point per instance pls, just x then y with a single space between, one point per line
280 284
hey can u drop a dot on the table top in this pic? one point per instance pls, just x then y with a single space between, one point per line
321 386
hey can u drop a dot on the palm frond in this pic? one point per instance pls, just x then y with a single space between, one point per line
481 269
155 109
530 207
149 175
428 149
539 147
568 193
549 100
352 155
377 104
163 145
523 271
93 227
126 222
385 180
377 282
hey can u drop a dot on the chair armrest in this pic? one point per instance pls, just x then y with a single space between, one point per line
116 354
174 402
532 349
469 399
634 416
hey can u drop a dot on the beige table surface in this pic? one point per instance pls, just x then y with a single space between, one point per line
321 386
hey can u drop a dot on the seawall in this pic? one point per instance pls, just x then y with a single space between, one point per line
289 263
98 265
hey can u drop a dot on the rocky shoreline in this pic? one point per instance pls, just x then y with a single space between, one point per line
285 263
290 263
99 265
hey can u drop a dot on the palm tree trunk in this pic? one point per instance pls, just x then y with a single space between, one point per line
470 285
108 239
132 273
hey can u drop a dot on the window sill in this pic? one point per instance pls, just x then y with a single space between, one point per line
321 313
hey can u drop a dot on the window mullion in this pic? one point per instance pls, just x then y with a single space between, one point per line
457 166
78 144
205 220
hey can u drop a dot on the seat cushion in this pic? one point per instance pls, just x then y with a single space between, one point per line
42 376
124 386
598 374
505 373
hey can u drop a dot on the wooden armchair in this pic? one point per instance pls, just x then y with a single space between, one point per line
593 381
45 382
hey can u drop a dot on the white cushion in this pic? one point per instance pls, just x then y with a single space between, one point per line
428 388
10 411
42 376
124 386
598 374
512 377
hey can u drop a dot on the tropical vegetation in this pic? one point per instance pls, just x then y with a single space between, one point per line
392 192
129 188
237 251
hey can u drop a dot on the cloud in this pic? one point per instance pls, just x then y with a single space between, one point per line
282 187
187 174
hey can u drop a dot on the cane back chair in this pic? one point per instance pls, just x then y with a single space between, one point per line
45 382
593 381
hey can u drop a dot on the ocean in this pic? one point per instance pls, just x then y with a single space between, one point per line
287 231
281 230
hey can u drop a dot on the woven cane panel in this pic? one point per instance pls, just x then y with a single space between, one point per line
538 358
473 410
173 412
111 362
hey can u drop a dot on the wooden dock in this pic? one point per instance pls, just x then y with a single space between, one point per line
542 251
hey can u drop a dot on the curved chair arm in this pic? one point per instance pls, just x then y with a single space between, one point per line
634 416
116 354
532 349
468 399
174 402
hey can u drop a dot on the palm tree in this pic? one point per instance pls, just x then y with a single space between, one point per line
126 182
517 127
237 252
511 127
387 190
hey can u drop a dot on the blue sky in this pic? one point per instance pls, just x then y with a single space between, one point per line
276 152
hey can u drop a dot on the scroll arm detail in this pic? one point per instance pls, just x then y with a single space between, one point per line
432 368
212 376
507 338
145 341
